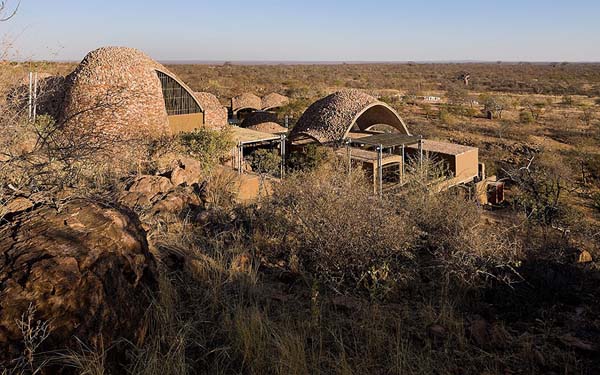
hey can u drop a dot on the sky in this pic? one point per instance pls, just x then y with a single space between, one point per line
310 30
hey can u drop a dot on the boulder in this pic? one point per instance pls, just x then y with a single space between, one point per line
151 185
177 202
479 330
145 190
187 171
84 270
15 206
585 257
570 341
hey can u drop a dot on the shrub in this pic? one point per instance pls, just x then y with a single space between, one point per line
525 117
454 246
567 100
540 189
596 201
446 117
332 227
208 146
336 230
265 161
308 159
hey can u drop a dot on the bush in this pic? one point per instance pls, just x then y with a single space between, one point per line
596 201
446 117
454 246
310 158
525 117
265 161
208 146
333 227
567 100
540 189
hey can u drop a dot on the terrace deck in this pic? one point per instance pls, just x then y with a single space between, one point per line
247 136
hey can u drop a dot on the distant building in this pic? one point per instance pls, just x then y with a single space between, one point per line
432 99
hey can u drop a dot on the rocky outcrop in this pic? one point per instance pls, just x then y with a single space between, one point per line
186 171
174 194
85 269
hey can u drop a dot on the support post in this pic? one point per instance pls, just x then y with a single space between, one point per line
421 151
35 90
282 149
349 154
380 168
30 113
402 170
239 157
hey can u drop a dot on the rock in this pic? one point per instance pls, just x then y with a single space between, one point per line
16 206
188 171
436 331
576 343
86 270
144 191
479 331
347 303
151 185
585 257
177 202
134 199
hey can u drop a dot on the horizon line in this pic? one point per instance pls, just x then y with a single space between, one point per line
336 62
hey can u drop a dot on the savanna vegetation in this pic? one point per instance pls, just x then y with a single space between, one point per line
322 277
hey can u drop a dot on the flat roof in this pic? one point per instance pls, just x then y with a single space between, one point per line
357 135
387 139
444 147
245 135
369 156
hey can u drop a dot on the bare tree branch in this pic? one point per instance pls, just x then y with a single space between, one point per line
3 10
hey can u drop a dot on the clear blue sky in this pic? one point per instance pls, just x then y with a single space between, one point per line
312 30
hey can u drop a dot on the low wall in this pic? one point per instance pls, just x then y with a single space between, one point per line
186 123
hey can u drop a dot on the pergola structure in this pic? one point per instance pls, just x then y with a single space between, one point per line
249 138
380 150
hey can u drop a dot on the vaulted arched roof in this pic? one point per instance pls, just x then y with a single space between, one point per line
246 101
330 119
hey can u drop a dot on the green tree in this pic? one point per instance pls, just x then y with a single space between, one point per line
494 104
208 146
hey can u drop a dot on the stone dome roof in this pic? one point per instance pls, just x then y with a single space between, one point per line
116 91
258 117
246 100
215 114
330 119
274 100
